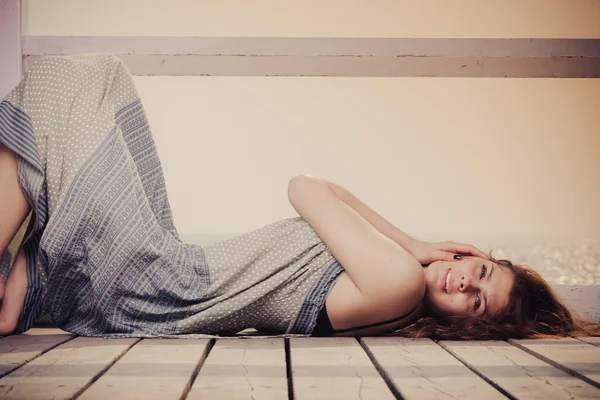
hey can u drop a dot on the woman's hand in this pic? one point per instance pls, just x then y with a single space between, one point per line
426 253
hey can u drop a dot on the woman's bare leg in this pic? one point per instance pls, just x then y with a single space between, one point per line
14 208
13 211
13 297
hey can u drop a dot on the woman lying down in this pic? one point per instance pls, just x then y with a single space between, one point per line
102 257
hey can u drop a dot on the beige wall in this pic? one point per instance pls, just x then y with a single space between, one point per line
443 158
315 18
451 156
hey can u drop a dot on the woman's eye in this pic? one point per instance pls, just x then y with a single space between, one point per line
483 271
477 302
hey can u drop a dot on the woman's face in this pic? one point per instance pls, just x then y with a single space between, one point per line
472 286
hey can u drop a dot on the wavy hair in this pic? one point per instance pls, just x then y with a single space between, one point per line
534 311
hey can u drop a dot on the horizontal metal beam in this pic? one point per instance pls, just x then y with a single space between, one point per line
361 57
10 45
584 299
313 47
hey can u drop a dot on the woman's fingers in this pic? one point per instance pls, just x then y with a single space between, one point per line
447 256
439 255
464 249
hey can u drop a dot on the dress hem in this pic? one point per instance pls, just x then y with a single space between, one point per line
314 301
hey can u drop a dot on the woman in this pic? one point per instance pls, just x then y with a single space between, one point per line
102 257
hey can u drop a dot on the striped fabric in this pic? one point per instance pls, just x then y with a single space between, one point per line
16 132
307 317
104 257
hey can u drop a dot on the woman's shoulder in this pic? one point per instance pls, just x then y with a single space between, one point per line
350 314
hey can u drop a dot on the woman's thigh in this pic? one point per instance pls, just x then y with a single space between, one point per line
14 208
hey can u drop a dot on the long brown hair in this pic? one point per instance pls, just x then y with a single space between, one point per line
533 311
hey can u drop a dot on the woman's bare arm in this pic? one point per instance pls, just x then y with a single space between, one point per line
14 295
379 222
424 252
380 268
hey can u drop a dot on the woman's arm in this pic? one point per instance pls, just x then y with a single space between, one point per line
380 223
424 252
14 295
380 268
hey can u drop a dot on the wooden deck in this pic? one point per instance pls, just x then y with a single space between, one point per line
47 363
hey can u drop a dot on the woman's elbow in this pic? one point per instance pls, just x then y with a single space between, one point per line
7 326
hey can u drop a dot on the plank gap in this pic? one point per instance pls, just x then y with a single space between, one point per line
41 353
288 368
555 364
335 367
520 373
384 375
103 371
209 347
595 341
476 372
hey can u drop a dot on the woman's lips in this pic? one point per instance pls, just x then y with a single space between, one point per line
444 277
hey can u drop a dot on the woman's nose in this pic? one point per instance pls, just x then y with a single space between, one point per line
464 284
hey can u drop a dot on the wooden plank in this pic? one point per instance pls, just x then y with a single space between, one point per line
10 45
243 369
16 350
152 369
421 369
519 373
591 340
584 299
65 371
568 354
334 368
375 57
47 330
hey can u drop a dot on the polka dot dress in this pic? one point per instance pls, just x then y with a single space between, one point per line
104 257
